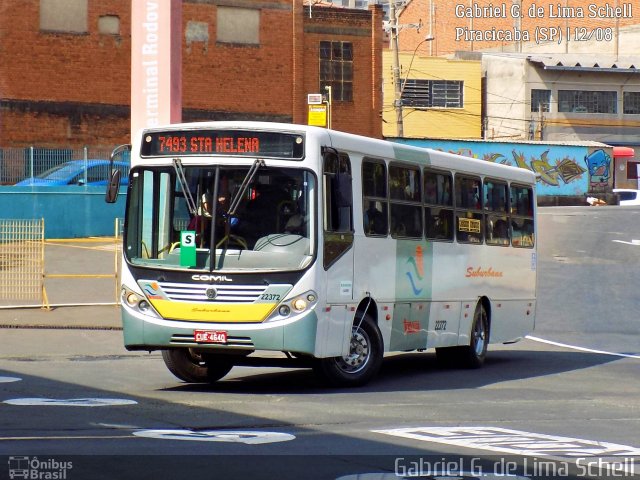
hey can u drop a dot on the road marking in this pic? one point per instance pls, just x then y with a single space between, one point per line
67 437
513 441
70 402
230 436
632 242
582 349
9 379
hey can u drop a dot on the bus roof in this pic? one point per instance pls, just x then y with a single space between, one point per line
376 148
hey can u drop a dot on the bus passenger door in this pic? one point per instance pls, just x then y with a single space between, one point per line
337 246
337 251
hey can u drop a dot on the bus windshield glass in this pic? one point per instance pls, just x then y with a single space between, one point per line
175 215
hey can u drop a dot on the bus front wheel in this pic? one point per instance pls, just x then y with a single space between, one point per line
193 367
361 363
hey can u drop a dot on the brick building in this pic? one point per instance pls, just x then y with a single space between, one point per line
65 67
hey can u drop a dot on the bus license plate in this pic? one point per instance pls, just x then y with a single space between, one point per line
210 336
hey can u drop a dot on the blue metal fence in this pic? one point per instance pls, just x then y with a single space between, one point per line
17 164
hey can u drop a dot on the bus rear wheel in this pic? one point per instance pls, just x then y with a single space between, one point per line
362 362
193 367
474 354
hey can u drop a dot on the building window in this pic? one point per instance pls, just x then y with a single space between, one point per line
432 93
68 16
540 100
109 25
585 101
631 103
238 25
336 69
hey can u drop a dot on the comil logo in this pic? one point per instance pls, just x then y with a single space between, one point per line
38 469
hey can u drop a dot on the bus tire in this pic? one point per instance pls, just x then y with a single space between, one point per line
363 361
474 354
193 367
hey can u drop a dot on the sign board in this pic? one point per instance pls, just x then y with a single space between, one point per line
318 115
156 63
314 99
188 248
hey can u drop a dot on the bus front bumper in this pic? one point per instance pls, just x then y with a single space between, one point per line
294 334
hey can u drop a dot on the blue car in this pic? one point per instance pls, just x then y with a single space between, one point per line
92 173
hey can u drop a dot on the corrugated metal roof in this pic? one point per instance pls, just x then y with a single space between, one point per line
587 62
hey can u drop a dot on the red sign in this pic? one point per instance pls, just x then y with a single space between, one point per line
250 143
210 336
184 144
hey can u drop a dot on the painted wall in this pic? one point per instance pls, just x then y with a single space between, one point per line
465 122
68 212
564 169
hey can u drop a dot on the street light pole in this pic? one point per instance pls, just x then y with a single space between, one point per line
397 102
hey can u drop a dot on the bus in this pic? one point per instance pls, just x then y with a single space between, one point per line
267 244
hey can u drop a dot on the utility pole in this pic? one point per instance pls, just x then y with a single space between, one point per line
397 102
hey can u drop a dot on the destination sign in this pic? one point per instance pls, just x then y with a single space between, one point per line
223 142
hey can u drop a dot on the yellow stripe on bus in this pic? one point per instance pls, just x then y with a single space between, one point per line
213 312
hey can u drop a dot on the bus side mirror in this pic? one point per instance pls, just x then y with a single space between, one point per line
113 186
113 182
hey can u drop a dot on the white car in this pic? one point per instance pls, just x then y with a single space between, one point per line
627 196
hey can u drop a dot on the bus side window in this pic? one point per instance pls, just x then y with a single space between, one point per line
437 197
496 220
522 224
374 197
405 201
469 217
338 206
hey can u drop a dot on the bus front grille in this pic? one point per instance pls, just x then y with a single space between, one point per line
235 342
219 293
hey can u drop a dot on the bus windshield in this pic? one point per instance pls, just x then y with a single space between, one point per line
257 218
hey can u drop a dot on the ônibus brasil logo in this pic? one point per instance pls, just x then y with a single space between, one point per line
38 469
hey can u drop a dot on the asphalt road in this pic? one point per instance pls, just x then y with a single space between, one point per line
563 404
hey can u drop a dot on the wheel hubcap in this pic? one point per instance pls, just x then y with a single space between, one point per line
480 334
358 355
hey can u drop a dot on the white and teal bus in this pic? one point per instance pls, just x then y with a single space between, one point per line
251 243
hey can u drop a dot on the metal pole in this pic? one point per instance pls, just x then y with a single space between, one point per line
397 103
31 161
329 105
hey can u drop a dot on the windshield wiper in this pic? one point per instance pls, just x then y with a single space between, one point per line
233 206
182 179
248 180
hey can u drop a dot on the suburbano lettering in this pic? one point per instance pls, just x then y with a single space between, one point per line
482 272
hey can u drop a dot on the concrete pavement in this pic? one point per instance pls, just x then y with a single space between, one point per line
87 300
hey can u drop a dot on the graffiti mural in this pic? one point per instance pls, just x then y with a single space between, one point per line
599 164
566 169
562 169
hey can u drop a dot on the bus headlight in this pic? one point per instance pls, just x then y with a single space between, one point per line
137 302
131 298
296 305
